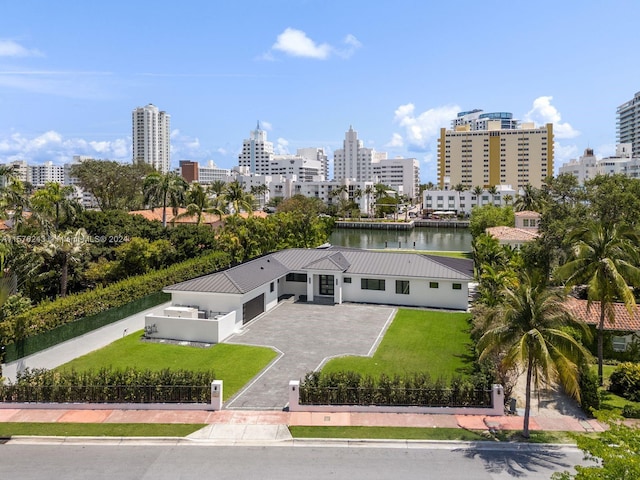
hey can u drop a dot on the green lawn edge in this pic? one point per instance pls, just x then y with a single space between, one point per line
427 433
11 429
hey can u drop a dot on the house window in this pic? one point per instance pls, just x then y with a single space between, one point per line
272 286
433 285
297 277
371 284
346 279
402 287
457 286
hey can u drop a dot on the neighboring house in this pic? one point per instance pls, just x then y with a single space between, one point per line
207 218
525 230
212 307
627 326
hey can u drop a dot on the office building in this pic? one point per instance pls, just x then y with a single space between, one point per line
492 155
628 124
151 137
39 175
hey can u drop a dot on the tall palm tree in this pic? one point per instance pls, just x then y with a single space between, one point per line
477 191
527 328
605 259
235 196
164 190
369 191
54 202
217 187
530 199
198 202
68 248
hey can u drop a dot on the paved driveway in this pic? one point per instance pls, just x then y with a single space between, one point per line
306 335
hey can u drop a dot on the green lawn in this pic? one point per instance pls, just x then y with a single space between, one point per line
9 429
235 365
611 401
417 341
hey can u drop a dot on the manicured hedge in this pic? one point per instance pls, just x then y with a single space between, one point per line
110 386
351 388
51 314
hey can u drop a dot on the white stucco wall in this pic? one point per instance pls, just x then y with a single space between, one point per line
420 294
292 288
209 330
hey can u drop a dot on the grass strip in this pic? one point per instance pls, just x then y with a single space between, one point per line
422 433
9 429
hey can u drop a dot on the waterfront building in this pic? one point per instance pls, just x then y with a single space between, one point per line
453 202
481 152
151 137
628 124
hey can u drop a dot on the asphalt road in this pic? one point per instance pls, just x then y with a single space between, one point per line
159 462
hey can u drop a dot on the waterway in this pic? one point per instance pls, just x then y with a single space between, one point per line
419 238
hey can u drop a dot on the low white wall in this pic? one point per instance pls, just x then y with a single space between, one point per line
205 330
497 402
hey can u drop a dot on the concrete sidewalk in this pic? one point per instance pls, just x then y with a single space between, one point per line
252 426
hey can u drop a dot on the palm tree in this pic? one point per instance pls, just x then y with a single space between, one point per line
369 191
477 191
14 200
53 202
235 196
260 190
508 199
217 187
527 328
68 248
164 190
529 200
198 202
604 259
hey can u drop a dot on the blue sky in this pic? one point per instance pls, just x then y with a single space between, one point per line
71 72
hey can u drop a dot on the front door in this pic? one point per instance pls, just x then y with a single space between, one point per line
326 285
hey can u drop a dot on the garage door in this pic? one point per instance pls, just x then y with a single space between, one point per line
252 308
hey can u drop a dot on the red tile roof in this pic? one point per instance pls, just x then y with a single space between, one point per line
207 218
624 321
512 234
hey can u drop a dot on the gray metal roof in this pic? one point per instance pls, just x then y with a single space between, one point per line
250 275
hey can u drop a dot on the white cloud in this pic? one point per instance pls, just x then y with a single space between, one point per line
396 141
282 146
9 48
543 112
423 129
266 126
563 153
296 43
222 151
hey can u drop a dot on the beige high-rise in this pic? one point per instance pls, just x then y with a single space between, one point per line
495 156
151 137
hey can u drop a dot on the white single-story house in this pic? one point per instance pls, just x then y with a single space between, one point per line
212 307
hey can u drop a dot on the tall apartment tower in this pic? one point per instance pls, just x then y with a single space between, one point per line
257 152
151 137
491 155
353 160
628 124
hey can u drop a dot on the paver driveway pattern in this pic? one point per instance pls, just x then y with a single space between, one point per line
305 335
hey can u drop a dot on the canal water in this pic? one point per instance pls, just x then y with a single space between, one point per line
435 239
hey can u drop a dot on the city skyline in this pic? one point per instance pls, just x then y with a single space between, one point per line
70 74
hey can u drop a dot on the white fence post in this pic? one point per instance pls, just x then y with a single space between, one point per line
294 395
216 395
497 400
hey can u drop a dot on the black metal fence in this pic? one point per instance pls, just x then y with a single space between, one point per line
105 393
405 397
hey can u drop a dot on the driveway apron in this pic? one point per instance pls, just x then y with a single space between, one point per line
305 335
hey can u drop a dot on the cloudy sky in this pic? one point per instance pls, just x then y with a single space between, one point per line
71 72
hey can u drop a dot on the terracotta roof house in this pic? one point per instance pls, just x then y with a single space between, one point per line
212 307
624 321
207 218
525 230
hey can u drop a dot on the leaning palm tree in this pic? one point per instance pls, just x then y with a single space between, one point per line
527 329
605 259
164 190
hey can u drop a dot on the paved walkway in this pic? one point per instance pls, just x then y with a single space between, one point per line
305 335
76 347
245 425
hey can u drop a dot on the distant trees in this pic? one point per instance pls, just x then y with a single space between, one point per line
164 190
115 186
490 216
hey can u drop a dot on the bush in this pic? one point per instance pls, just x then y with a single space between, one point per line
109 386
589 394
51 314
630 411
625 381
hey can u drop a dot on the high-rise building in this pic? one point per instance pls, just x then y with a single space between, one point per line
493 155
151 137
314 153
628 124
39 175
353 160
257 152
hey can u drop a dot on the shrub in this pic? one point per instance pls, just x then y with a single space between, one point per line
109 385
51 314
625 381
630 411
589 394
